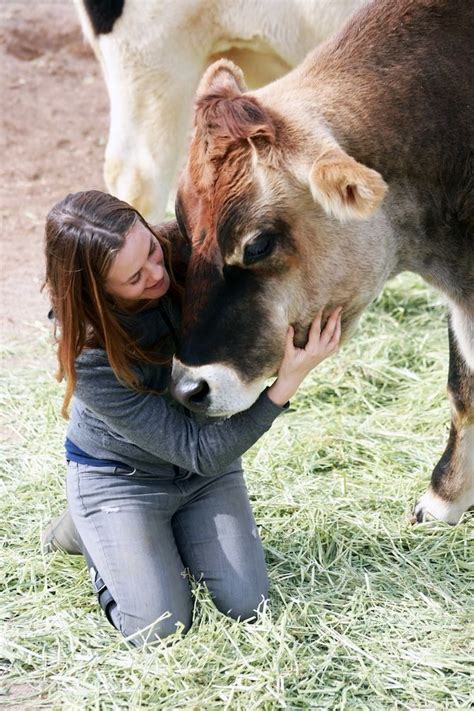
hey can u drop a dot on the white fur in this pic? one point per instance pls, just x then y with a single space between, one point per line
152 62
431 506
463 325
468 446
229 392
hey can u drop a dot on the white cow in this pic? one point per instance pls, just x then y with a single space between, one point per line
153 54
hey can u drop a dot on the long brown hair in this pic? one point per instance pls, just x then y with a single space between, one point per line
83 234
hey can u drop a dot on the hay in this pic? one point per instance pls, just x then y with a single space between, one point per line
365 612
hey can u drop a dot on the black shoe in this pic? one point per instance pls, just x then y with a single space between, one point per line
61 535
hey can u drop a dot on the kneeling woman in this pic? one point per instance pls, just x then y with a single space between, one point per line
152 492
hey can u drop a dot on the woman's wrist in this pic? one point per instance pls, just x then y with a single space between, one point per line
280 392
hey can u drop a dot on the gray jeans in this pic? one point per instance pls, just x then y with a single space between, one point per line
144 535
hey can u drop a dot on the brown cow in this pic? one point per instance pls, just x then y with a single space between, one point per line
316 189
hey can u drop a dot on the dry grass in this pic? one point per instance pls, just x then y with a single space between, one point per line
365 611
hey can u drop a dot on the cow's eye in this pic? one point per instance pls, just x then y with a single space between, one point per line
261 247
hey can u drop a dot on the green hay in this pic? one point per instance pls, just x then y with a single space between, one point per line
365 612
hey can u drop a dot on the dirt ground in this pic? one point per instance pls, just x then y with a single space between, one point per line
54 124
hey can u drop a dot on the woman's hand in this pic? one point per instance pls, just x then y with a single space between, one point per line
298 362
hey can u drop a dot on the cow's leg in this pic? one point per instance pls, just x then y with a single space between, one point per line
150 114
451 492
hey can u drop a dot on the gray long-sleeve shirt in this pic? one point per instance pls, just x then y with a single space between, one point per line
152 432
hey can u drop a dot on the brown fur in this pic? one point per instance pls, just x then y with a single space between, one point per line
365 153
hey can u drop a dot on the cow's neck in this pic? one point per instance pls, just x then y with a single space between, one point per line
376 94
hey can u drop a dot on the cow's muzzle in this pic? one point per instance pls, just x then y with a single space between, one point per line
215 389
191 392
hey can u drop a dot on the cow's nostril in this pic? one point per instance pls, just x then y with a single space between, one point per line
192 393
199 392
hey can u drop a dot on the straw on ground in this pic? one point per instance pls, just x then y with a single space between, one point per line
365 611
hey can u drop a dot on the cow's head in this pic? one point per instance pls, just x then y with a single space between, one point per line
277 233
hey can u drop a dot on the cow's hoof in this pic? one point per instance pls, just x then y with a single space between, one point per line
431 507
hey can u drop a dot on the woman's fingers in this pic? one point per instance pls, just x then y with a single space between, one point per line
315 329
331 326
317 338
335 338
289 345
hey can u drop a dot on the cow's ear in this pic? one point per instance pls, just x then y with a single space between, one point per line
223 112
344 188
223 79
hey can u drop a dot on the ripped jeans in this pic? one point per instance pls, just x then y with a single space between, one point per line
145 534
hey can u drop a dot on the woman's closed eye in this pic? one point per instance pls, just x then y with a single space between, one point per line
136 278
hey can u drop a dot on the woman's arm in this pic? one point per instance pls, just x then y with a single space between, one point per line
151 423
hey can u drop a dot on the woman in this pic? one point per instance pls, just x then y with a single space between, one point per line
152 492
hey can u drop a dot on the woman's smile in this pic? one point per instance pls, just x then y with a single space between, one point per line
138 270
159 288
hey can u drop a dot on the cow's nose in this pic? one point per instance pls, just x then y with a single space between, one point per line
192 394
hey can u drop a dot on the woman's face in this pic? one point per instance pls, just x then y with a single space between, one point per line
138 271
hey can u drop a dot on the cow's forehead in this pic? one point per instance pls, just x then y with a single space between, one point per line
218 182
218 221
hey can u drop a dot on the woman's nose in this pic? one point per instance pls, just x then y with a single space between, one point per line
155 272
